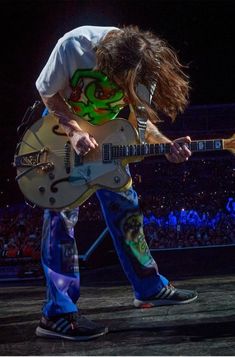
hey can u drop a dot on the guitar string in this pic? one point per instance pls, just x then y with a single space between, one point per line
62 151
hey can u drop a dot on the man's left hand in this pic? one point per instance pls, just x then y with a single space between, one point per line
179 153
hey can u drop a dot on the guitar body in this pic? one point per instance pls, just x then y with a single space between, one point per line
51 175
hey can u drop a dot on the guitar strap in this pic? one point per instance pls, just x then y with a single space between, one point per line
141 118
141 124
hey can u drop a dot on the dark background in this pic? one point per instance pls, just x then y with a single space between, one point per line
202 32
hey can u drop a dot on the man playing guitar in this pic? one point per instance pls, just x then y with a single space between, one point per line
92 73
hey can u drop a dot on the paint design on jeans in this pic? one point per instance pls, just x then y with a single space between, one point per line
69 258
132 227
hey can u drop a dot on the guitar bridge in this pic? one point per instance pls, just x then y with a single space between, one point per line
33 160
27 160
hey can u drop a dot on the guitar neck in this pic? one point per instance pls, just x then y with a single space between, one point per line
111 152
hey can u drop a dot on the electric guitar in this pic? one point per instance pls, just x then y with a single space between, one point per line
51 175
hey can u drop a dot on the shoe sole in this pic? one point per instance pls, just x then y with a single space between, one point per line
41 332
153 303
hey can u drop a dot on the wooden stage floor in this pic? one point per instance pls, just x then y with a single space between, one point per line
204 327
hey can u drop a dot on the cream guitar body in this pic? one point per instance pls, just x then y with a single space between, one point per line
51 175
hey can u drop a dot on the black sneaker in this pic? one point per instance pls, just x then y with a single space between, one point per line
71 326
169 295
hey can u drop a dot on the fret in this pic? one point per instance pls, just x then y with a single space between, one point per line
193 146
131 150
167 148
209 144
142 149
113 152
156 149
118 151
146 148
151 149
162 148
135 150
121 150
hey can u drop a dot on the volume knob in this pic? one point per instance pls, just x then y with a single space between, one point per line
116 179
41 189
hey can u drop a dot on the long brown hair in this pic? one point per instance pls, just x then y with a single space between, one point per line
135 56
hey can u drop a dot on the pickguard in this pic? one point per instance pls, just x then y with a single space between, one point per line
87 173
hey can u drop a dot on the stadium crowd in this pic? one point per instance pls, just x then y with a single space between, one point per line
186 205
20 232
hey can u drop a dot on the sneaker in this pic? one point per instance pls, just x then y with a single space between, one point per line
169 295
71 326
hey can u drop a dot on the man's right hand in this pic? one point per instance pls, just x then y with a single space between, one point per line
82 141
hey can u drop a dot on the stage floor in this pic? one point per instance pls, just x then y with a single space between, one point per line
204 327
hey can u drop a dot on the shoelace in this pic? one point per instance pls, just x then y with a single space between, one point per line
76 318
170 286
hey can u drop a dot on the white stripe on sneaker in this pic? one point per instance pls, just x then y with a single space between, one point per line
172 293
66 328
62 325
164 296
167 294
159 295
57 323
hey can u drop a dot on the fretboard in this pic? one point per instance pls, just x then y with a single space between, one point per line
111 152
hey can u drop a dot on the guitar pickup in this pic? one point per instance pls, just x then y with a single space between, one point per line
107 153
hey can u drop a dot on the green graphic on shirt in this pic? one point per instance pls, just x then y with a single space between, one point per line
94 97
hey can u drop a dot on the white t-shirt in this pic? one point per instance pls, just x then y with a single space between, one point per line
74 52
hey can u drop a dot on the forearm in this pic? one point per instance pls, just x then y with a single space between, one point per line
81 140
58 106
153 135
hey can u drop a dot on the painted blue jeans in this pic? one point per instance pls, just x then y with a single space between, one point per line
60 256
